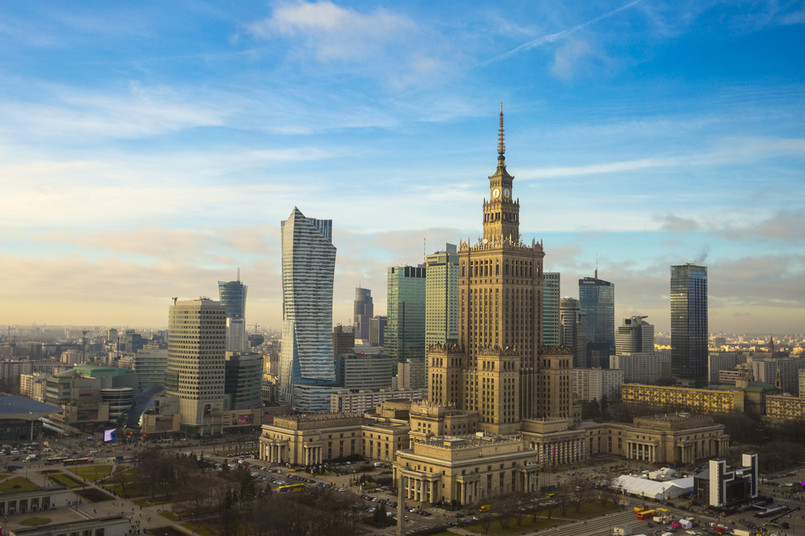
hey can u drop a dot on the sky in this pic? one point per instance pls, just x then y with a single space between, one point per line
150 149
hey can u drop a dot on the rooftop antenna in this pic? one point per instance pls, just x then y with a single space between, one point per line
175 299
238 274
596 265
424 249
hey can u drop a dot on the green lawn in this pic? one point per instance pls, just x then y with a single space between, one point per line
142 502
17 483
169 515
92 472
67 480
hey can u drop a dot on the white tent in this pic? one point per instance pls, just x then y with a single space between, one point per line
653 489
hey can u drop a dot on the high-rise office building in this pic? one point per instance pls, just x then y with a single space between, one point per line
597 304
377 331
635 335
571 330
363 310
244 381
441 297
497 369
689 331
551 304
195 372
308 267
405 325
233 296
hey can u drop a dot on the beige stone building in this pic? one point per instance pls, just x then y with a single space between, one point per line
466 469
315 438
499 368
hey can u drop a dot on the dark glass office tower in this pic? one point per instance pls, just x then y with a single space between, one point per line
233 297
689 331
363 310
597 305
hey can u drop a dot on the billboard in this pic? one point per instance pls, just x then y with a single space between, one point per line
109 435
244 419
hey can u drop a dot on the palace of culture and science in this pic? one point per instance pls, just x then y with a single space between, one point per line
500 406
499 368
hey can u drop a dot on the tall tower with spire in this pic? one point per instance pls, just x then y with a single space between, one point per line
497 369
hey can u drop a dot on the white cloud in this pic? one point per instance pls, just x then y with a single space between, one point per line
380 44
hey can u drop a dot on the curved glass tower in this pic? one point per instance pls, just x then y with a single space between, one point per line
308 267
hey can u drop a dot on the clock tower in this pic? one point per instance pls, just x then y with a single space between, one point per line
501 212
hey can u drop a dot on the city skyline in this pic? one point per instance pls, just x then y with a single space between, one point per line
143 159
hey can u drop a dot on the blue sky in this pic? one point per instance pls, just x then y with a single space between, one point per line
149 149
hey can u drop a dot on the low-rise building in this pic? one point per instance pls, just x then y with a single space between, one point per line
780 408
347 401
101 526
595 383
696 400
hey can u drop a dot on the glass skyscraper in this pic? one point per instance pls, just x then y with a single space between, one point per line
363 310
689 330
551 303
405 323
597 304
441 297
308 267
233 297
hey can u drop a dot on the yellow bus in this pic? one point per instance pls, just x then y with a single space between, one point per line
293 488
485 508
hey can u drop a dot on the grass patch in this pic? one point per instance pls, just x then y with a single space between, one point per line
66 480
528 526
35 521
169 515
203 530
165 531
17 483
142 502
92 472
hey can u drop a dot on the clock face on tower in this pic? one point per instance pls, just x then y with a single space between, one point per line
496 193
506 193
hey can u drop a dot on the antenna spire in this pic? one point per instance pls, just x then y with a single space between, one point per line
501 146
238 274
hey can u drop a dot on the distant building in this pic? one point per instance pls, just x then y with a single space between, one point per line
689 325
635 335
593 384
801 382
640 367
405 326
233 297
722 361
362 401
243 381
571 330
551 305
377 329
412 375
308 268
441 297
360 371
774 370
150 364
597 306
343 339
363 311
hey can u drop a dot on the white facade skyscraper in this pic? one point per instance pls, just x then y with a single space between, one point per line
308 266
441 297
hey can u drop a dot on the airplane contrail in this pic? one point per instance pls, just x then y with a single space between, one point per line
561 34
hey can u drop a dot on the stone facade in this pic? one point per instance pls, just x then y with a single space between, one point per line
465 469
